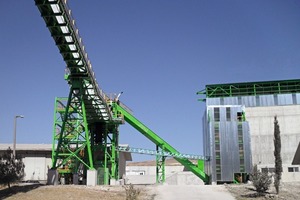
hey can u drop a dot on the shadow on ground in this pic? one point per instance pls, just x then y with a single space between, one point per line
22 188
253 194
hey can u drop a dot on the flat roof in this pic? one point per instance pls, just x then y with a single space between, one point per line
26 147
251 88
47 147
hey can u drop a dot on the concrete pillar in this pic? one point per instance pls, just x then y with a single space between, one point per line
91 177
75 179
52 178
114 182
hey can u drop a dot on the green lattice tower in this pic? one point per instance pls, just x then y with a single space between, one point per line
79 145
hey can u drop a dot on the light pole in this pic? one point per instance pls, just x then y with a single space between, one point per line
15 134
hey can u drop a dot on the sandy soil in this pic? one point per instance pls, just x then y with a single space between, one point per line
38 192
288 191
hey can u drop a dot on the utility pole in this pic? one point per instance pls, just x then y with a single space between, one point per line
15 134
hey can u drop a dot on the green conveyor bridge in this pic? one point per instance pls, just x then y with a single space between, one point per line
86 123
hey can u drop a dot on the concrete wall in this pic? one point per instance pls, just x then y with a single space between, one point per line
261 121
175 175
122 164
183 178
36 168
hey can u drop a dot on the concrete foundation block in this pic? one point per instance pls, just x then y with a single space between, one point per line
91 177
52 178
75 179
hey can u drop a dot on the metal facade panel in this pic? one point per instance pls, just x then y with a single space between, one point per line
229 150
285 99
213 101
207 143
256 101
249 101
229 143
298 98
231 101
213 153
247 148
266 100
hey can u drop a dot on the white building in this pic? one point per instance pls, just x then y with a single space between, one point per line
261 102
37 160
145 173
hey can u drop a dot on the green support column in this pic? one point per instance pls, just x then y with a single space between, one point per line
87 137
71 135
160 167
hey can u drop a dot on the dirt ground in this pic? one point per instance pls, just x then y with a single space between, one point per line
288 191
38 192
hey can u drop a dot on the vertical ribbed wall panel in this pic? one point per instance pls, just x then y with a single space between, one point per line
256 101
285 99
247 147
266 100
231 101
229 143
298 98
249 101
213 101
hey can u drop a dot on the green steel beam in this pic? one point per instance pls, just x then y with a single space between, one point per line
148 133
252 88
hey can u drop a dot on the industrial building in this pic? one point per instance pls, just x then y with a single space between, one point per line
239 128
37 159
145 172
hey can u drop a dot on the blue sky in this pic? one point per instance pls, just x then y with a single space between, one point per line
159 53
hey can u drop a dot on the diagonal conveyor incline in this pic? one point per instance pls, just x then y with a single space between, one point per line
134 122
63 30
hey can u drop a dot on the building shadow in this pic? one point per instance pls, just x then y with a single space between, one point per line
15 189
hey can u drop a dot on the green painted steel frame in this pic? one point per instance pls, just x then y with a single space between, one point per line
71 128
160 167
148 133
251 88
87 104
73 134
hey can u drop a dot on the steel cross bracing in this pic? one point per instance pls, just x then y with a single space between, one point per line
63 29
85 134
86 129
161 153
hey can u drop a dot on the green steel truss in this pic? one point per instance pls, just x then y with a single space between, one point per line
78 146
160 167
86 123
251 88
161 153
85 132
63 30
